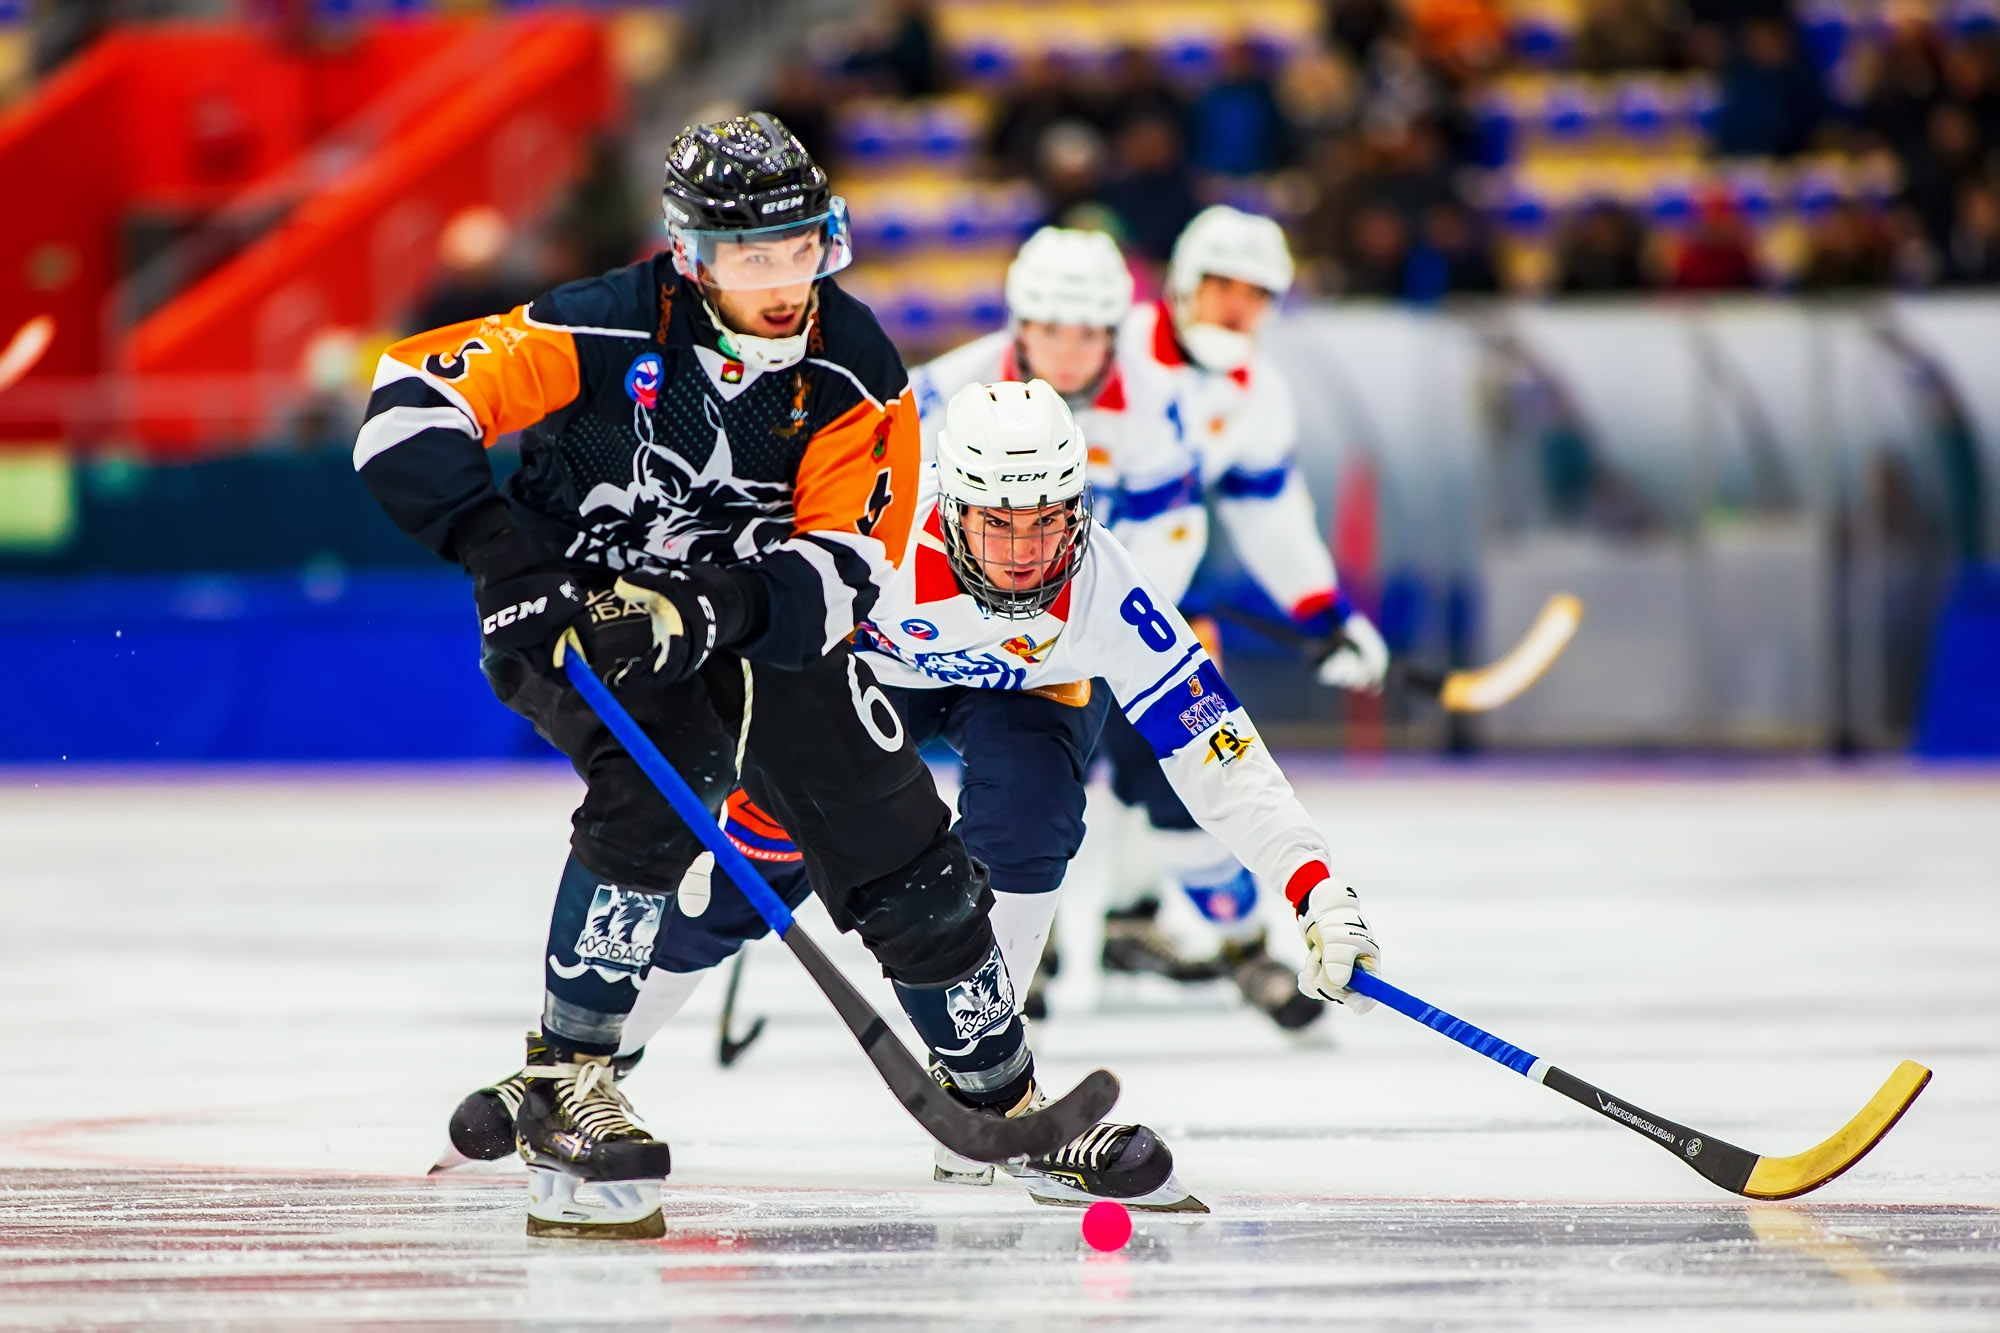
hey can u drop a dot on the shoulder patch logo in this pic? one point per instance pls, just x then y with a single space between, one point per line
1225 747
732 372
642 379
1024 647
920 629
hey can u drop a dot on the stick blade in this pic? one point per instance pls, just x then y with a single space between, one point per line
1485 688
991 1138
1788 1177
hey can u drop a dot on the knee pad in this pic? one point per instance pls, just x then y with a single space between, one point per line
925 923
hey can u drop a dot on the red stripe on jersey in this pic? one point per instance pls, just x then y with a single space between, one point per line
1166 348
1304 880
1111 398
1312 605
1060 609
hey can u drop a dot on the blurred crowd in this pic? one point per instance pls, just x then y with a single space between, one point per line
1420 148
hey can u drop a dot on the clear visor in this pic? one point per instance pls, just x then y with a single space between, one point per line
763 257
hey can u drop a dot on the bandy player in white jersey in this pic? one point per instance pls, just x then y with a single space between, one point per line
1006 610
1231 439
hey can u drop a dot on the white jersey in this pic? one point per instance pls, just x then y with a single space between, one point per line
1114 623
1231 434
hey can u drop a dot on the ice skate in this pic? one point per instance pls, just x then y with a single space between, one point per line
1129 1163
1134 942
593 1171
482 1126
1270 986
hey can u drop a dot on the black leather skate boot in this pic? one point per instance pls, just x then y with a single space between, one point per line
1134 942
482 1126
1269 985
1129 1163
593 1171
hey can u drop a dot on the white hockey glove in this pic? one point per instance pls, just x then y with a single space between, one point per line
1361 660
1337 938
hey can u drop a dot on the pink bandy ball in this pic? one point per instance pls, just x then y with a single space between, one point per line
1106 1225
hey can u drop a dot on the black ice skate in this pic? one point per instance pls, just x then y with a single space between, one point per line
1269 985
1128 1163
482 1126
1134 942
592 1171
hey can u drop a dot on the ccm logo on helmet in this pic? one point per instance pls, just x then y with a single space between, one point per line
777 204
507 615
1024 476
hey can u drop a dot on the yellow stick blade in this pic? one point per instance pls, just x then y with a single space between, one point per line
1490 686
1783 1177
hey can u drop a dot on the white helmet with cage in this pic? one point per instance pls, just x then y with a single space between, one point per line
1225 242
1013 447
1062 276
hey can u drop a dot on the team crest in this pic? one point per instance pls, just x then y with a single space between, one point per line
1225 747
642 380
1194 686
732 372
920 629
1024 647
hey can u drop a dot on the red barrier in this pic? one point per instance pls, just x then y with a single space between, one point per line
434 116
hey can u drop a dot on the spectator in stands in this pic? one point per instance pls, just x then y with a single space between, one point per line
1377 253
798 97
1070 174
1847 247
1948 159
1042 98
473 278
903 60
1459 37
1150 189
1616 36
1602 249
1716 255
1772 99
1973 254
602 220
1236 126
1905 85
1451 257
1134 89
1354 26
1972 80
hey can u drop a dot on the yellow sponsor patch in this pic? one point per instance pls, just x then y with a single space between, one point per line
1226 747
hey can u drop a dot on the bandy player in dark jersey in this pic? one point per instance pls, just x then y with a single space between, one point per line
719 474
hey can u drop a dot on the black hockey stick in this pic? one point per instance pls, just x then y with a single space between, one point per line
1474 690
1737 1170
727 1048
982 1136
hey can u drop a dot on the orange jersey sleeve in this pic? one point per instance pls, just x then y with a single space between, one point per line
509 372
859 475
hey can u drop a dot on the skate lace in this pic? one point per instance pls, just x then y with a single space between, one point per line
1090 1149
510 1090
591 1099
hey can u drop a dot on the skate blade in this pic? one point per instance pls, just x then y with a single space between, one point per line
948 1168
1168 1197
569 1208
449 1160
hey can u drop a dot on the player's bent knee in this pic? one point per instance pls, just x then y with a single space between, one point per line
926 923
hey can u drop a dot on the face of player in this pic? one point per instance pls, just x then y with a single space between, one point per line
762 288
1069 356
1016 547
1226 303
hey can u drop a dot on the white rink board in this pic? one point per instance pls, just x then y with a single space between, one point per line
241 1005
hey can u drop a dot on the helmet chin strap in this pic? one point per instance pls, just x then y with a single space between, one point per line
1212 346
765 354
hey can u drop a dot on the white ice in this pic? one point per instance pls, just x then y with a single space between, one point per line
238 1009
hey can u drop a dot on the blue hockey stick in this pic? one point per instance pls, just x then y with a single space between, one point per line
984 1137
1735 1169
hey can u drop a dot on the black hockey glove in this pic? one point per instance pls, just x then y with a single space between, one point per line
533 601
693 610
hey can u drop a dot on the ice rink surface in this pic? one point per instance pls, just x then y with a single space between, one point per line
240 1006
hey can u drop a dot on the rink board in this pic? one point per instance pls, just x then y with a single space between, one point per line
283 982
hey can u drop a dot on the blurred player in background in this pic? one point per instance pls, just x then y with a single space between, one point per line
1231 435
1005 611
719 474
